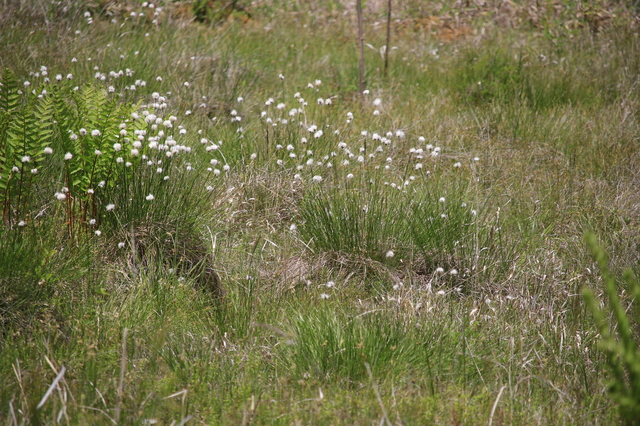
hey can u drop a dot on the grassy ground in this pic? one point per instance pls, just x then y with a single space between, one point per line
413 255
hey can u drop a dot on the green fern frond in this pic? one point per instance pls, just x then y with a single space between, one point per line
9 92
618 341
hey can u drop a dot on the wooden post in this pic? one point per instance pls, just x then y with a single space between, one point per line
361 39
387 46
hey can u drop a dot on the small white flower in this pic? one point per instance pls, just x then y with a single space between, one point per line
92 222
26 159
60 196
150 197
376 112
120 245
453 272
457 165
98 232
48 151
317 178
439 270
110 207
68 156
97 152
34 171
442 199
318 134
324 296
377 102
22 223
390 254
293 227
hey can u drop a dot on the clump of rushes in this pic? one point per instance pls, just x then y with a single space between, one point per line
443 228
368 222
327 343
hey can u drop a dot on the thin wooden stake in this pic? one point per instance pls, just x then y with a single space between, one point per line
361 42
387 46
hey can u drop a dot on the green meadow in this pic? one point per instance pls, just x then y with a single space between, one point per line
205 220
